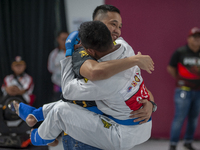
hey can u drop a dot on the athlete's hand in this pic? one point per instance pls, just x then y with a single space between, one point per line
143 113
71 41
145 62
77 46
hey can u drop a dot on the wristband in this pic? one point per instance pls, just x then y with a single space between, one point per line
154 106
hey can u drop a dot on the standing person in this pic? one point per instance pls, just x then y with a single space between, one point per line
54 64
93 70
31 115
184 66
19 83
110 16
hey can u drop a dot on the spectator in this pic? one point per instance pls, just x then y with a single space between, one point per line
54 64
184 66
19 83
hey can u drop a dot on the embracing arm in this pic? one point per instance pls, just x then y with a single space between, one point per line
93 70
151 96
79 89
145 112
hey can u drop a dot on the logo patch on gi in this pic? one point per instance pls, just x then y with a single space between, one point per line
129 88
138 72
133 83
83 53
86 80
136 79
106 124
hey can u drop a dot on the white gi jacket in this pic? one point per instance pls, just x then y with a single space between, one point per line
116 96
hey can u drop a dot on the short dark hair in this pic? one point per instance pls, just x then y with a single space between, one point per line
95 35
103 9
60 32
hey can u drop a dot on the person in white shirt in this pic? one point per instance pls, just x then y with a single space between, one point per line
53 65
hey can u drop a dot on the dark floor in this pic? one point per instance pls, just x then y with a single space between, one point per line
28 148
151 144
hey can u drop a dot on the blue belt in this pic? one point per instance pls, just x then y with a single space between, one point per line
122 122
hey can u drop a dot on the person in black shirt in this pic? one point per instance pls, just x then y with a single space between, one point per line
184 66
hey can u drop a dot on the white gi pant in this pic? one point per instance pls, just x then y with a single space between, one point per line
90 128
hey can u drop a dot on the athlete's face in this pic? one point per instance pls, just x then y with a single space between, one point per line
61 40
113 21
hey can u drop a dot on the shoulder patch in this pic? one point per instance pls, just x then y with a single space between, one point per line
86 80
83 53
136 78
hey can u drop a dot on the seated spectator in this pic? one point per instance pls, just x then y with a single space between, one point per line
19 83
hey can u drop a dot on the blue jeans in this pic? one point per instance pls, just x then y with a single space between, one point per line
187 104
71 144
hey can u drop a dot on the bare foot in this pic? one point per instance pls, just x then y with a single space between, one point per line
30 120
30 133
54 143
16 105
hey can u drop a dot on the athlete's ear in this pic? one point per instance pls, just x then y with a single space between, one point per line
91 52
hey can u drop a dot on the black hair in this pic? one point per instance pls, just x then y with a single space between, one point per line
62 31
95 35
103 9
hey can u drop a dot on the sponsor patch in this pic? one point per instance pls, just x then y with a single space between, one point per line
83 53
138 72
133 83
106 124
129 88
136 78
86 80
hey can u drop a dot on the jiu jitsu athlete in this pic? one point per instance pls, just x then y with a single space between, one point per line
109 15
116 97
